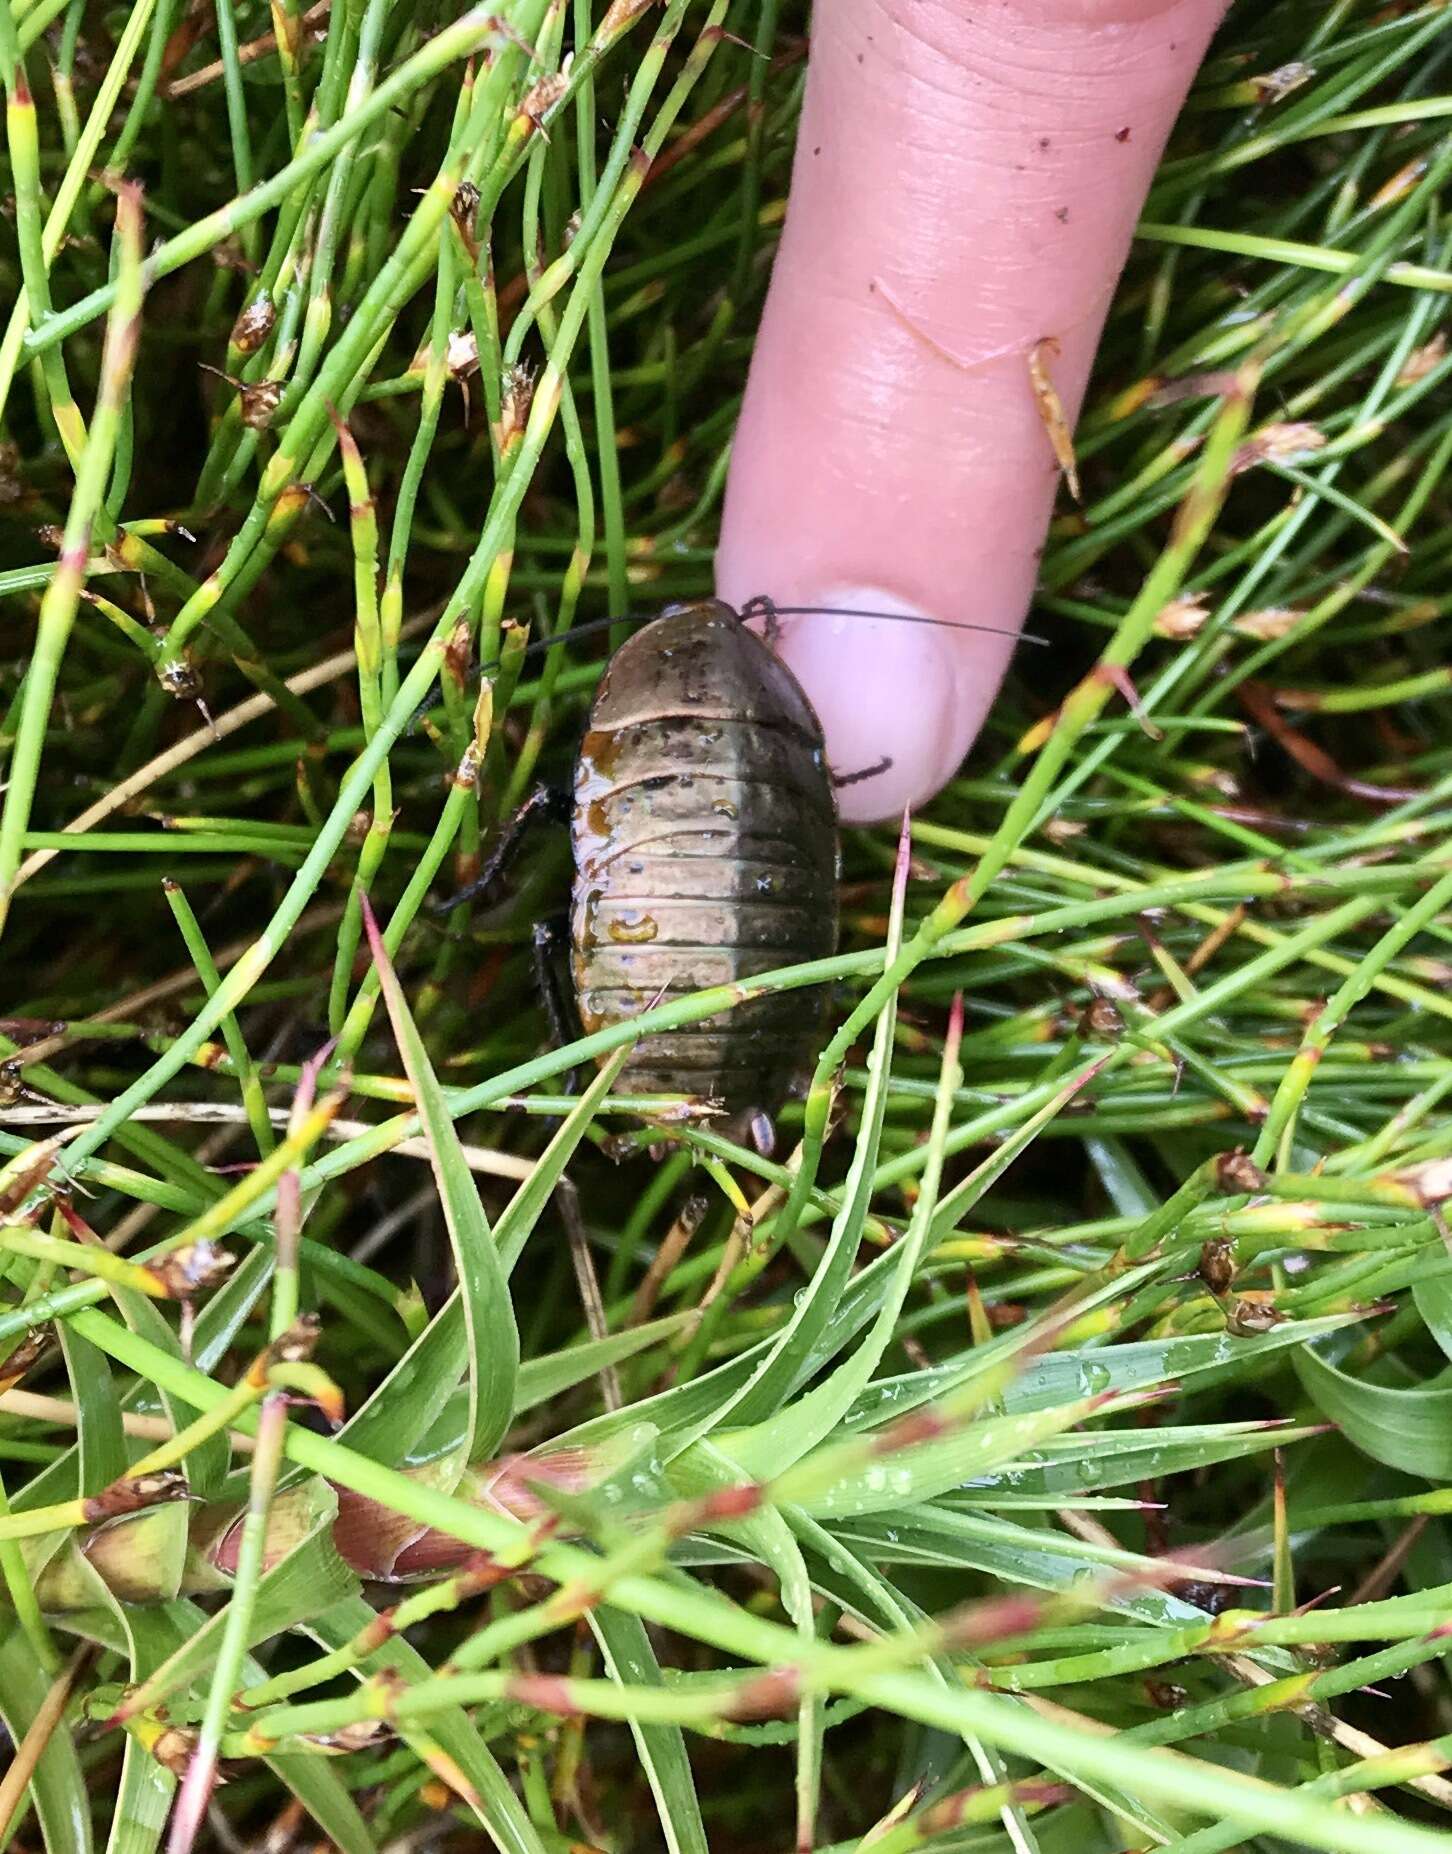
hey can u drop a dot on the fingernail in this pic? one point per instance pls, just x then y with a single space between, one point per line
882 689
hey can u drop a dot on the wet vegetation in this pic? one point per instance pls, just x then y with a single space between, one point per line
1048 1449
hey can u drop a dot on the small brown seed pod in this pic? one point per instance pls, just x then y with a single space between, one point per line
254 324
1217 1265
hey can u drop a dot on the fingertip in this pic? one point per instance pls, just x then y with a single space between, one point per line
910 692
966 184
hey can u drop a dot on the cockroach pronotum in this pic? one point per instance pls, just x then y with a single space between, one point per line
704 827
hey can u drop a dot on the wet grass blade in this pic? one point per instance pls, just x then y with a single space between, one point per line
492 1338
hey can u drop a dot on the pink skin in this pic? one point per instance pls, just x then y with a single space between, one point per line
964 187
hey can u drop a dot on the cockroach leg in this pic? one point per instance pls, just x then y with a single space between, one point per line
866 772
551 938
762 607
546 803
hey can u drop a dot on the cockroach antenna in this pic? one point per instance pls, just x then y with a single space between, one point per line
767 609
760 607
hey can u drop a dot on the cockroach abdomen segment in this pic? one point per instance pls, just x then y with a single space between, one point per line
705 846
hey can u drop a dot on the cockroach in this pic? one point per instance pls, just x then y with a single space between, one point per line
703 821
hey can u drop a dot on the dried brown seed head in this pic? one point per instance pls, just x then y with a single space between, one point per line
620 14
259 400
1430 1183
1181 619
466 773
463 207
133 1492
300 1340
173 1747
1272 86
1050 406
461 356
227 254
254 324
1237 1173
192 1269
1249 1317
1217 1265
1269 625
25 1356
1102 1019
1277 443
538 102
457 654
518 396
180 680
1423 360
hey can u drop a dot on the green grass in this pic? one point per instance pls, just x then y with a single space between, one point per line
851 1478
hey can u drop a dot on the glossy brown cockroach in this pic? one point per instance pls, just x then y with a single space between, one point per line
704 828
